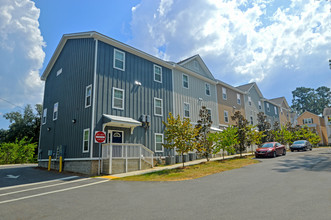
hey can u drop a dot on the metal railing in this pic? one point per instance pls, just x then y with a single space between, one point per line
127 151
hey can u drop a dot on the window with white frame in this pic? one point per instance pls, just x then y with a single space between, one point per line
260 105
59 72
158 142
118 98
308 121
238 99
252 122
281 111
185 81
249 100
224 95
209 114
157 74
88 94
186 110
86 142
55 111
207 89
268 107
158 109
275 108
119 60
44 116
226 116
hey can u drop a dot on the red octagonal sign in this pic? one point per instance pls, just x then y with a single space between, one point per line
100 137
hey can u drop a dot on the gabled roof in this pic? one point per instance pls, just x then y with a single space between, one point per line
279 101
247 87
103 38
201 63
310 113
229 86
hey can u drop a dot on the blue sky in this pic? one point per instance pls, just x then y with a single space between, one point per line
279 44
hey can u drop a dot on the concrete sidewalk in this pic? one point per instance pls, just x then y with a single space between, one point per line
177 165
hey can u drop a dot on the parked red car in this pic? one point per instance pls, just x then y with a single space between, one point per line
270 149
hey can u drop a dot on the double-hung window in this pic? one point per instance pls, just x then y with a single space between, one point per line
119 60
86 142
268 107
249 100
224 95
118 98
44 116
88 94
275 108
185 81
158 107
207 89
55 111
238 99
252 122
260 105
157 74
226 116
186 110
158 142
209 114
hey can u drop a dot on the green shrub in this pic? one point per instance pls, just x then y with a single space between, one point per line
18 152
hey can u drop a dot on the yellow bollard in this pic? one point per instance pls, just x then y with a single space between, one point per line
60 165
49 162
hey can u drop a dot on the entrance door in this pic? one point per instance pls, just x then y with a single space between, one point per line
115 136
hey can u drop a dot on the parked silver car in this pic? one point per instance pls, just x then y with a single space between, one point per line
301 145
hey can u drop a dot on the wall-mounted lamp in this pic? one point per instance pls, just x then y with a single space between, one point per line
48 129
200 99
234 107
137 83
73 121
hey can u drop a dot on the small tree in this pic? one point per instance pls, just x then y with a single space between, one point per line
242 130
263 126
224 140
180 134
204 146
253 137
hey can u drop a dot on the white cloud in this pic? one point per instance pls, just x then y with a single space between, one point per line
240 40
21 53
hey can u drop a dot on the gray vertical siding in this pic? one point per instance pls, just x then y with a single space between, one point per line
68 89
138 99
253 110
271 115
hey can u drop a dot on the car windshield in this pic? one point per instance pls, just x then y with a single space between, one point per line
267 145
299 142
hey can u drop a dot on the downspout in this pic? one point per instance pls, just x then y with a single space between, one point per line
94 96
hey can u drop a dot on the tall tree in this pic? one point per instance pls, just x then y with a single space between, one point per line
205 146
263 126
323 98
242 130
180 135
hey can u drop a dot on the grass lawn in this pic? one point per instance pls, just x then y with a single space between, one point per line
195 171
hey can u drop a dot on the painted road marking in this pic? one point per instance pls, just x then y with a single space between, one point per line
108 177
51 192
12 176
41 187
30 184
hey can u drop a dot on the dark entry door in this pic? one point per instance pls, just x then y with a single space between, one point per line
116 136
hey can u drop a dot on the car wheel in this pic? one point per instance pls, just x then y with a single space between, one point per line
284 152
275 155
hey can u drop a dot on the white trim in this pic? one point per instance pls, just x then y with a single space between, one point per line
249 101
71 159
57 111
88 87
260 105
188 84
158 142
227 115
88 140
161 106
186 103
207 84
113 96
238 99
94 92
114 59
275 109
44 116
224 94
154 65
59 72
268 107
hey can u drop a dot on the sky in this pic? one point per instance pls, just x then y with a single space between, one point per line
279 44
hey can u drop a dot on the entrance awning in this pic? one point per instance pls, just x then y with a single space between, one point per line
118 121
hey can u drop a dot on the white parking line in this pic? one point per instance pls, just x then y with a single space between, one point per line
30 184
47 193
40 187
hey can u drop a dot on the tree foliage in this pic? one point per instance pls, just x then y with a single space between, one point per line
180 135
263 126
225 140
312 100
242 130
17 152
205 146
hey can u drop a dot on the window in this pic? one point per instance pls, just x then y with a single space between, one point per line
119 60
224 95
44 116
86 142
207 89
275 108
238 99
281 111
55 111
260 105
226 116
268 107
308 121
209 113
158 142
249 100
59 72
158 107
88 94
186 110
157 74
118 98
185 81
251 120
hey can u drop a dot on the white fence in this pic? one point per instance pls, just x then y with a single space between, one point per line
126 152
